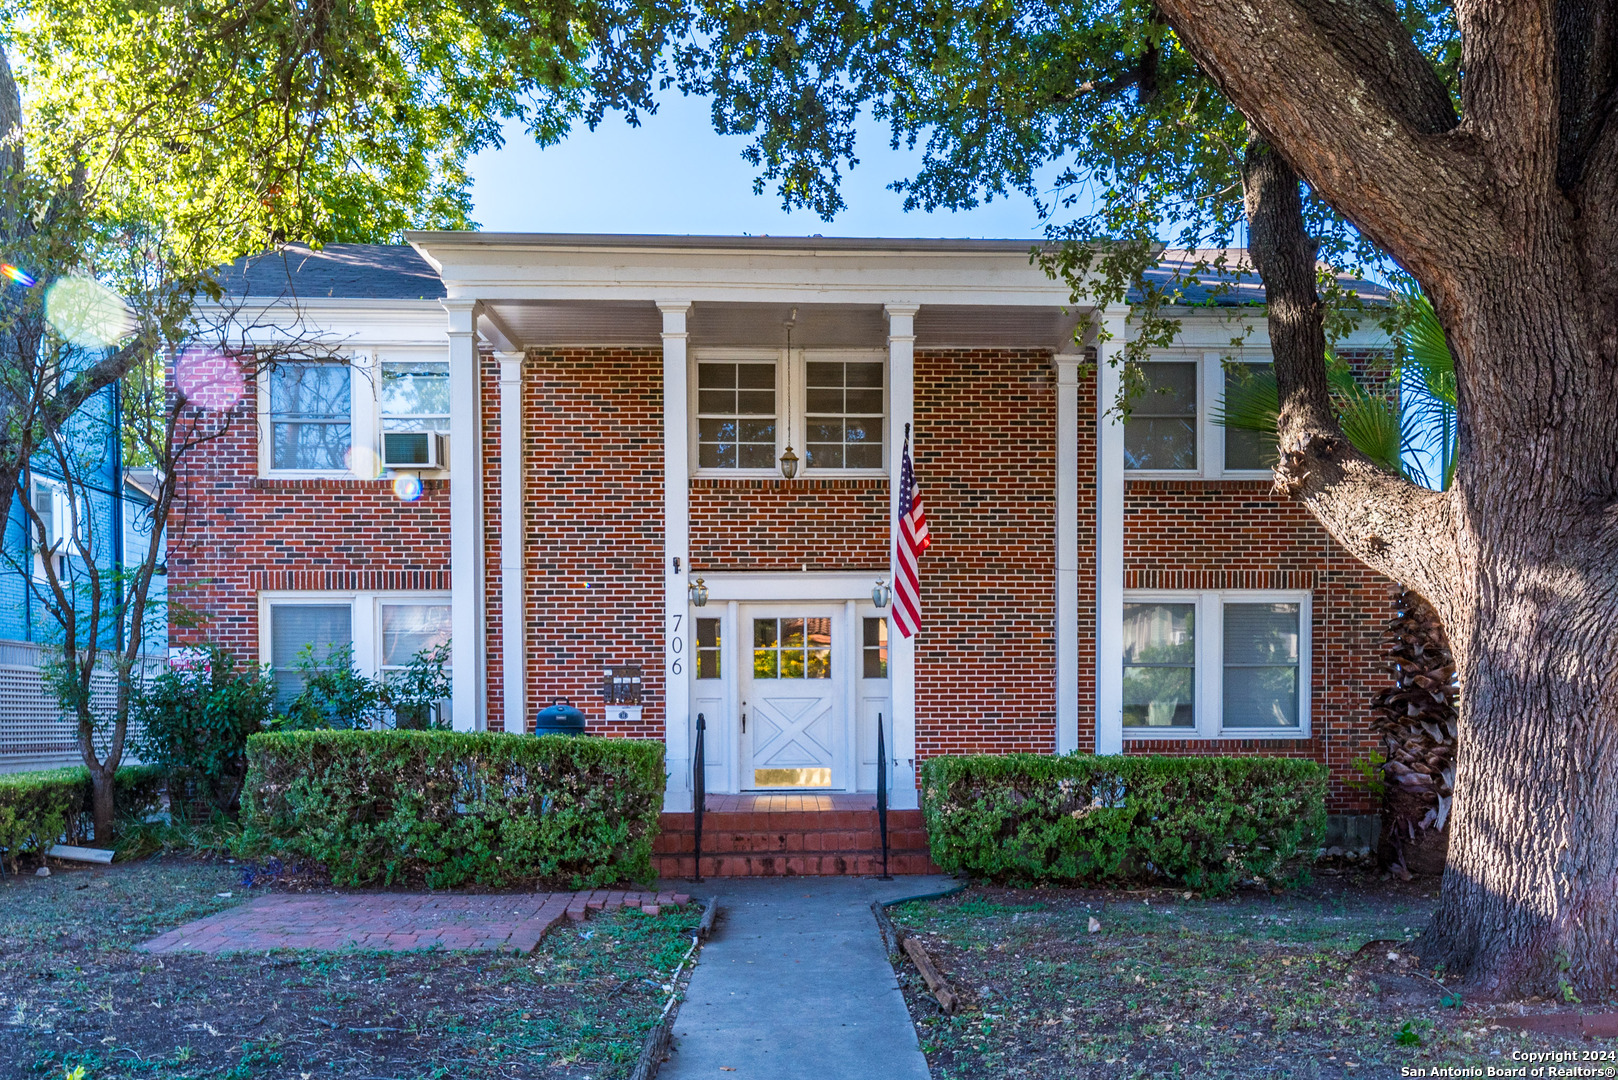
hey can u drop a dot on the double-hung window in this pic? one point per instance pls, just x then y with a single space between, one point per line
736 414
415 395
310 417
1176 426
1207 664
829 405
843 414
1249 388
1161 434
382 632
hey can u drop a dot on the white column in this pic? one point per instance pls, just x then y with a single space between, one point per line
466 519
902 651
677 630
513 629
1067 551
1110 536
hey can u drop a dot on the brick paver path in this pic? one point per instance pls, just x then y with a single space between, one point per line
396 922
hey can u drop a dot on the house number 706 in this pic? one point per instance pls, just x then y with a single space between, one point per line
676 646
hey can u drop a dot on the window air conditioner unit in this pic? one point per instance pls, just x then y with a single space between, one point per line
412 450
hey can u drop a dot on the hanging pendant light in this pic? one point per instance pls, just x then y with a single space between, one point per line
789 460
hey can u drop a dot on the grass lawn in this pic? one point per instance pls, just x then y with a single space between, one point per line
1318 983
72 991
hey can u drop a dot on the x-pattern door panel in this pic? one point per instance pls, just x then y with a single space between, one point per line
794 698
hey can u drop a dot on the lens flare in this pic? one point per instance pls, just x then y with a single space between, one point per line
407 486
365 463
87 313
27 281
209 378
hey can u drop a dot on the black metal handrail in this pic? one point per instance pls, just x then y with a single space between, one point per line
882 794
699 794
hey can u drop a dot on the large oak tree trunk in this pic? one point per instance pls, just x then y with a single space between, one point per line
1520 561
1508 216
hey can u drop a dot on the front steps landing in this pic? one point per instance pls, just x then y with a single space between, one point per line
785 835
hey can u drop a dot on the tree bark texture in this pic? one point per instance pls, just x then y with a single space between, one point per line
1508 216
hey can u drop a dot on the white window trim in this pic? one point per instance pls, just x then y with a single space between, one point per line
360 369
1209 435
1209 646
793 406
365 620
364 421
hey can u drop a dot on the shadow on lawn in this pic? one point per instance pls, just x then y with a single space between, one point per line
1314 984
73 993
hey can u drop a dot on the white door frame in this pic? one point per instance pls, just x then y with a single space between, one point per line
851 593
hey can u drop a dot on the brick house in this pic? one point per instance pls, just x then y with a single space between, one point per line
621 405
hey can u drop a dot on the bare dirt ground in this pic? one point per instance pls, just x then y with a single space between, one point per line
74 993
1321 983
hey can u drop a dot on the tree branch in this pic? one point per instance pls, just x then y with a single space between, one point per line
1385 521
1339 87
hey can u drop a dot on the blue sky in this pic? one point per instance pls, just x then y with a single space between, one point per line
673 174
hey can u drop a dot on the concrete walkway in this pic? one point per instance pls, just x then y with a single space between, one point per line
795 984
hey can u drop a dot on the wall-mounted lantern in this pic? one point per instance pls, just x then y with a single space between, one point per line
698 593
881 595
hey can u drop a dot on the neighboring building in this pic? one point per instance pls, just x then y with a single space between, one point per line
33 732
618 407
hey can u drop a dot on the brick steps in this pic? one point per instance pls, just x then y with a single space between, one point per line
787 843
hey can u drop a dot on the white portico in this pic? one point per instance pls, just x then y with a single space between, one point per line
805 662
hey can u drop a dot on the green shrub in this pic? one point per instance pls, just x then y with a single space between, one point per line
1203 823
336 696
194 723
453 808
39 808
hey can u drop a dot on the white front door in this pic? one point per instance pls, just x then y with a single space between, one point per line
795 721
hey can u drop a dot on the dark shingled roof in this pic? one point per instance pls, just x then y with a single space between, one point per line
1235 285
397 272
342 271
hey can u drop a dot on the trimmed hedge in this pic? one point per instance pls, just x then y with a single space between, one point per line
454 808
39 808
1204 823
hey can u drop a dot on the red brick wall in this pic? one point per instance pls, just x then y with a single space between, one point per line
779 524
985 453
1233 534
234 535
592 524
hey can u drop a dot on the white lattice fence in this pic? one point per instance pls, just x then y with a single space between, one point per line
34 733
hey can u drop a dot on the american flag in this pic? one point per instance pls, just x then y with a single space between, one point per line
911 542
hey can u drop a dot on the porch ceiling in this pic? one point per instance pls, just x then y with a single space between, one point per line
540 323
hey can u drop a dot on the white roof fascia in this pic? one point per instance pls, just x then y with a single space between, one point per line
496 267
339 323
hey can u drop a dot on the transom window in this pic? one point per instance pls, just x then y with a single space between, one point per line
843 414
309 416
792 648
736 414
415 395
1161 432
1205 664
